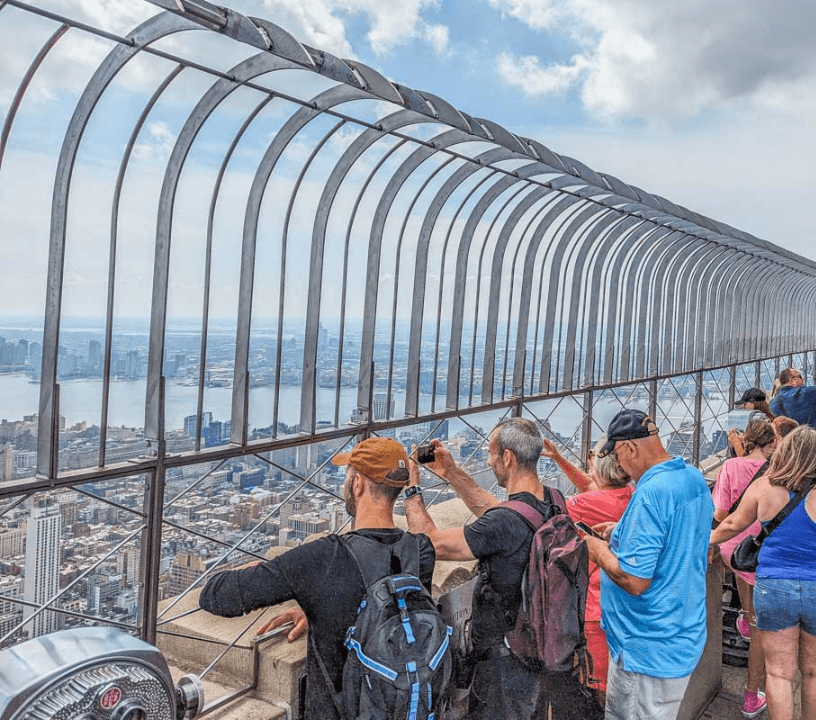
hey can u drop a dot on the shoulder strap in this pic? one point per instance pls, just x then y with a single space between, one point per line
529 514
758 474
553 498
780 516
372 557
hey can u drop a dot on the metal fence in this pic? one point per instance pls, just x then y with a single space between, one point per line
362 258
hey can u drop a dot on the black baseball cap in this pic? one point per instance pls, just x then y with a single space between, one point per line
628 425
752 395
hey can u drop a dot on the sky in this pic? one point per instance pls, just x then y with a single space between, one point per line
709 104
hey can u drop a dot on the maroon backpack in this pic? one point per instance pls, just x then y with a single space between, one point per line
550 624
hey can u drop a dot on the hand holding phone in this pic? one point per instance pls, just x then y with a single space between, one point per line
584 528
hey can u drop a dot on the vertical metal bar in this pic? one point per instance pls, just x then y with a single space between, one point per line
653 399
114 238
152 535
732 386
156 27
491 197
757 374
698 417
586 430
205 311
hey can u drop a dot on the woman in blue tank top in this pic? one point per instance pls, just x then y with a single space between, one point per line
785 591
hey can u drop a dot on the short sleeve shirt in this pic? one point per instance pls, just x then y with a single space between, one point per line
797 403
662 536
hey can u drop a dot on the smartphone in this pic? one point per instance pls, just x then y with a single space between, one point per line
425 453
584 528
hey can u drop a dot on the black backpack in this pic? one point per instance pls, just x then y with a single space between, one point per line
399 660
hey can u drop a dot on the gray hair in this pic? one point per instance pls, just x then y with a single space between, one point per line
521 437
608 467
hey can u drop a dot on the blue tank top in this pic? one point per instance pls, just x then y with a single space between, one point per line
789 553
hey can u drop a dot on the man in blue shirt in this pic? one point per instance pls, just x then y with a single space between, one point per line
794 400
653 585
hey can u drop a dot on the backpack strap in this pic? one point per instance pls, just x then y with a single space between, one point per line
527 513
374 559
530 515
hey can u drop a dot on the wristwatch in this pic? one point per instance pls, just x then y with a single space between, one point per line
413 490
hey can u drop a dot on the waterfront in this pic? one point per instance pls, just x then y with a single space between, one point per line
81 400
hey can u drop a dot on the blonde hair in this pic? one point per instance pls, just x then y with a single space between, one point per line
608 467
794 462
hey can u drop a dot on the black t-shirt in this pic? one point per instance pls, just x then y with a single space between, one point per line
500 539
325 580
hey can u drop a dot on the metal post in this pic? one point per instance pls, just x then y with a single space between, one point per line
698 417
653 398
152 535
757 373
586 432
732 386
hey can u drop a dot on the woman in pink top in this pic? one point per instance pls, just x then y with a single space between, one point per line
735 475
603 495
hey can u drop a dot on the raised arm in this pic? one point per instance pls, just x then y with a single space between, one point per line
477 499
573 473
448 544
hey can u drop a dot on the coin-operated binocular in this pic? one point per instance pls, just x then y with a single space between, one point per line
92 673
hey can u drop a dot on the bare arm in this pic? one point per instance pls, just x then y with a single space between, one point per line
741 518
477 499
604 558
573 473
448 544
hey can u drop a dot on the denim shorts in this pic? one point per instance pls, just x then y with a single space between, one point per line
782 604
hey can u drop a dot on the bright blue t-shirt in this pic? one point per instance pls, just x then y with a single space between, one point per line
663 535
798 403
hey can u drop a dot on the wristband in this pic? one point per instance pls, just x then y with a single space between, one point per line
413 490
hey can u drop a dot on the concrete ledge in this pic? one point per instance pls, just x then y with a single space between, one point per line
244 708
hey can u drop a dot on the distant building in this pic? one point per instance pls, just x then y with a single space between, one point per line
12 543
42 565
184 571
94 357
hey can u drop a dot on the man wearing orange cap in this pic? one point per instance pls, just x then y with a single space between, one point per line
325 577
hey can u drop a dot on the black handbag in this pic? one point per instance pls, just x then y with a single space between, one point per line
745 557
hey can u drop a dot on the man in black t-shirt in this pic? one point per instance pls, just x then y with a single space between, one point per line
504 686
322 575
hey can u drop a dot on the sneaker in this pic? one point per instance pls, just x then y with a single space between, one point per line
753 705
743 628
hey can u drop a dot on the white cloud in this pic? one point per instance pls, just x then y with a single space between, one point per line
675 60
159 144
437 37
528 75
391 23
538 14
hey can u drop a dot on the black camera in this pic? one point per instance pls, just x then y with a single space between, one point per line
425 454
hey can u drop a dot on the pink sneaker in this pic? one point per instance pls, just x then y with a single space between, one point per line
754 704
744 629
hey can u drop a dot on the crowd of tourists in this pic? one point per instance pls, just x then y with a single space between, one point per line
587 607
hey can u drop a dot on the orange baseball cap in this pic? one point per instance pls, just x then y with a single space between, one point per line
380 458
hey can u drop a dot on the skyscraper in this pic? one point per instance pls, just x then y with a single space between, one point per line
42 565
